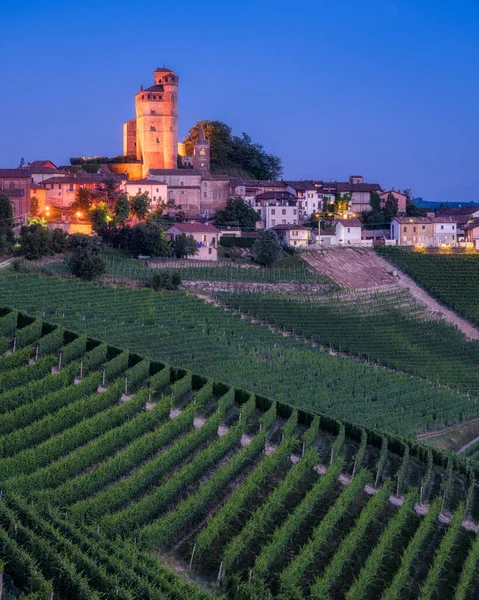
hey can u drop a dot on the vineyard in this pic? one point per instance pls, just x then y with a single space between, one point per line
126 477
183 330
388 327
451 278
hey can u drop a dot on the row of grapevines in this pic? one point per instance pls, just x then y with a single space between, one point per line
411 553
181 386
34 390
161 379
442 555
148 507
285 533
107 431
4 345
21 375
68 581
111 499
74 349
105 582
85 485
361 453
268 511
8 324
163 531
15 360
241 497
372 568
289 428
469 571
116 366
22 567
311 434
55 398
332 573
50 343
292 575
29 334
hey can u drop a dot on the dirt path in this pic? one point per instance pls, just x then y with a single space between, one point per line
360 268
466 446
431 434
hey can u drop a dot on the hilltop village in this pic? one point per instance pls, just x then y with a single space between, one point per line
317 212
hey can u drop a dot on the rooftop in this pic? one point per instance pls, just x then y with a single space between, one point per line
413 220
195 228
301 185
276 196
15 173
289 227
349 222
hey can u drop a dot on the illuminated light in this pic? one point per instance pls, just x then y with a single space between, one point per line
79 214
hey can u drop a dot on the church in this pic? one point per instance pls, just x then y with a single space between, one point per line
152 137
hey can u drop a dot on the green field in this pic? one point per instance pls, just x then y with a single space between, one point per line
385 327
183 330
115 469
452 278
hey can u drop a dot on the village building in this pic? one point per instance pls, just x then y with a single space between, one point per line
471 231
15 183
355 188
276 208
295 236
399 196
41 170
348 232
445 230
309 201
61 191
248 189
412 231
158 192
206 236
461 214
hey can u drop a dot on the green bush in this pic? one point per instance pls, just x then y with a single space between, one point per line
166 280
237 242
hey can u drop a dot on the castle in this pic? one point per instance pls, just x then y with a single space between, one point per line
152 136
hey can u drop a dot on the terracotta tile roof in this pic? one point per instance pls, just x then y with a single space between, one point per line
445 219
15 173
301 185
195 228
153 88
457 210
413 220
289 227
145 182
358 187
471 225
276 196
258 183
349 222
385 193
185 172
87 178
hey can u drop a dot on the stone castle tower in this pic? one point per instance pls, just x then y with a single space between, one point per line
201 156
153 135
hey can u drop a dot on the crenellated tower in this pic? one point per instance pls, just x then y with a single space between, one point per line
156 123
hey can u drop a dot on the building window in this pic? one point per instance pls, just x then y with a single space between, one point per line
283 211
310 195
181 183
157 140
204 194
210 250
423 227
139 190
295 233
154 198
149 96
152 128
295 243
283 221
442 226
349 229
273 222
294 211
59 186
453 227
404 229
414 229
273 211
453 237
204 239
70 187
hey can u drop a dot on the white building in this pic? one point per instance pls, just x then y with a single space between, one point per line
445 230
471 231
276 208
158 191
309 199
295 236
348 232
206 236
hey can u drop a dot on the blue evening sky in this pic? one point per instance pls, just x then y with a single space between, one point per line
384 88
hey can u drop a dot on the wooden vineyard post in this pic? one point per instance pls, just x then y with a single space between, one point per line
103 379
51 595
332 456
81 370
126 386
14 343
36 358
420 495
220 572
376 481
192 556
60 362
303 449
1 581
354 469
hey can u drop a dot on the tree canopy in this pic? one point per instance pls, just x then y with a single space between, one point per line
233 152
237 213
6 224
267 248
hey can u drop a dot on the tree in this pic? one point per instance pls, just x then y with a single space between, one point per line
121 210
140 205
267 248
375 202
107 191
36 241
83 200
185 245
34 206
7 236
100 216
166 280
59 240
237 212
390 206
341 204
149 240
85 260
229 152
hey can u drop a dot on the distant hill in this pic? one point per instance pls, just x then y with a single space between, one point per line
420 203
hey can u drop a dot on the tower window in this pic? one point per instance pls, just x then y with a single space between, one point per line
149 96
154 97
153 111
143 96
152 128
171 128
157 140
